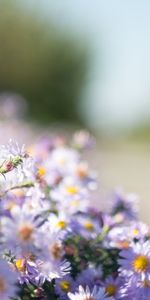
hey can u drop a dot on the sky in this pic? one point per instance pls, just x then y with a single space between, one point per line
117 95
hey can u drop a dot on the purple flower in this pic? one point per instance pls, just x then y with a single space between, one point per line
64 285
112 286
135 261
125 204
8 280
90 276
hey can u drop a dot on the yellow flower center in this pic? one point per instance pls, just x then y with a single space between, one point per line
111 290
61 224
2 285
25 232
41 171
89 226
72 190
135 231
20 265
65 286
140 263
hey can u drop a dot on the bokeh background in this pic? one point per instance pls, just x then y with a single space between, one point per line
69 64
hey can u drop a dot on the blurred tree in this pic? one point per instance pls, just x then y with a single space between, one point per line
41 63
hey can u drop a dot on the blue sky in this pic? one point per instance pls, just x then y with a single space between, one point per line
120 30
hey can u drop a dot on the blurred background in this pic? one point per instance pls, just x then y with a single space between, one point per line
66 65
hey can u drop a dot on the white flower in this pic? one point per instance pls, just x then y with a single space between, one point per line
69 189
64 159
12 149
50 269
19 233
85 294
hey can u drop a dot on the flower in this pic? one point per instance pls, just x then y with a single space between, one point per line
85 294
125 204
89 276
64 159
135 261
8 280
82 140
63 286
52 243
12 149
19 231
113 286
49 241
70 196
51 269
29 271
85 226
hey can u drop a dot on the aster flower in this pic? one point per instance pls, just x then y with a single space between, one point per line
112 286
119 237
84 175
49 241
8 280
47 175
89 276
85 294
139 230
36 202
142 291
29 271
19 231
63 286
64 159
122 235
68 195
12 149
135 261
69 189
133 289
125 204
85 226
82 140
51 269
56 244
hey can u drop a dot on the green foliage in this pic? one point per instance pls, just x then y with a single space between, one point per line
30 291
41 63
86 252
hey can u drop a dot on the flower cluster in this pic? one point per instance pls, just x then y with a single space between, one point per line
53 243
